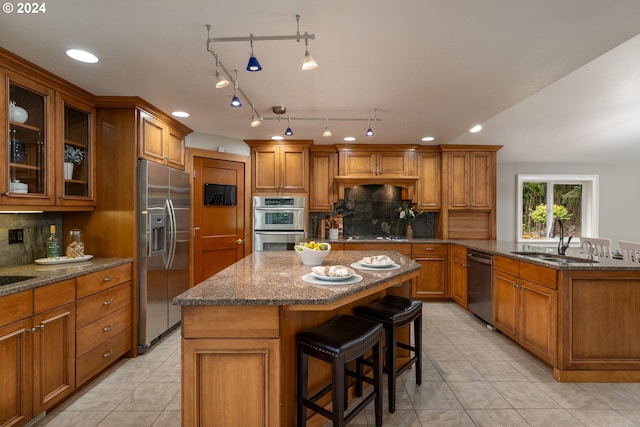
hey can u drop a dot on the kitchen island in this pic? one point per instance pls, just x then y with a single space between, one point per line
239 327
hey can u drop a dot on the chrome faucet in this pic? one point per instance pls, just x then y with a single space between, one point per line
590 246
562 248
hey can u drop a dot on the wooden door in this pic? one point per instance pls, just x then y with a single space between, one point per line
220 230
429 188
537 320
480 180
432 280
458 180
459 280
16 372
53 357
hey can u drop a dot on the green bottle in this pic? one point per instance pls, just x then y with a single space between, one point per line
53 243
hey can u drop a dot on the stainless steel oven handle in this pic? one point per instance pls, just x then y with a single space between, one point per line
280 232
291 209
476 258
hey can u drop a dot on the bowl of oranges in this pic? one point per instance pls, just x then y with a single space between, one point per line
312 253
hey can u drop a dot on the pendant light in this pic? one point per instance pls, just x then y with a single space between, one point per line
327 132
235 101
221 80
255 121
288 132
253 65
369 131
309 63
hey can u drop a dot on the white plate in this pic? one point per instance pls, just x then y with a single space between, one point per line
368 264
361 266
331 278
310 278
62 260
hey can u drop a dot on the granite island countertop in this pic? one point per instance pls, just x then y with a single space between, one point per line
47 274
275 278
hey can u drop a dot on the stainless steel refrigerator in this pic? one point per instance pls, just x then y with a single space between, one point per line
164 200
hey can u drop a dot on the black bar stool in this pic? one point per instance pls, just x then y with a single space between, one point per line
395 312
341 340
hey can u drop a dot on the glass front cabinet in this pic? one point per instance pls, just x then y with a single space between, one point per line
43 128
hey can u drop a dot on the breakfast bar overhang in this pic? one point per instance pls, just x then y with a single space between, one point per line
239 327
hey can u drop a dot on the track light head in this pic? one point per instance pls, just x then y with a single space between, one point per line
221 81
308 63
326 132
253 65
235 102
369 132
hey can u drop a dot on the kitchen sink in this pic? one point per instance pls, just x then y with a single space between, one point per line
7 280
560 259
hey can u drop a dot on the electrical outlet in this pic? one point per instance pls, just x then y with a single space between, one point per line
16 235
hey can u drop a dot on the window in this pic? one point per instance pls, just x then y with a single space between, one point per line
570 198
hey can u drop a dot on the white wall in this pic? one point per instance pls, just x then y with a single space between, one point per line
619 210
212 142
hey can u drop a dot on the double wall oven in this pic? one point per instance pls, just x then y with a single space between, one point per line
278 222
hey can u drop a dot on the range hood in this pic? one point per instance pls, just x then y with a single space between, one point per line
406 182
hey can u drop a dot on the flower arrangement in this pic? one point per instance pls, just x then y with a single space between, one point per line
73 155
407 213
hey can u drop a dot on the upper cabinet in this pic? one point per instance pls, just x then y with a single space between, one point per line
280 167
323 168
376 161
470 177
41 117
160 143
429 183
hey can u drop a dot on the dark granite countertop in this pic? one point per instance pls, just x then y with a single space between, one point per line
496 247
275 278
47 274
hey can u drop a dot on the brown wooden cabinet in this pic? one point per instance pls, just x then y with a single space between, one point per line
429 182
37 348
323 167
458 266
45 114
525 305
372 161
103 320
159 142
432 282
280 168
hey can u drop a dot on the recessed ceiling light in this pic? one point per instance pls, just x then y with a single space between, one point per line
180 114
277 138
349 138
82 56
476 128
428 138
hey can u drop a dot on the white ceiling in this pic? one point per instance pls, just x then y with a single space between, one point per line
550 80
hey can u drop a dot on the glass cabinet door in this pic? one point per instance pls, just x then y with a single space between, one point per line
77 137
27 143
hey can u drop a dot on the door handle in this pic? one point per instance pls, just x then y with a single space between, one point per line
239 241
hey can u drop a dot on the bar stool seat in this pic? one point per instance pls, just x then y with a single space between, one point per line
395 312
339 341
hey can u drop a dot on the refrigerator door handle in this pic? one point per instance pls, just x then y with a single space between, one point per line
172 232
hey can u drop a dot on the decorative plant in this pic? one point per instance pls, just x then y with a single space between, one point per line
407 213
73 155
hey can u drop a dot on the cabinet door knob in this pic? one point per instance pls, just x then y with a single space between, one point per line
108 353
107 328
239 241
108 279
109 302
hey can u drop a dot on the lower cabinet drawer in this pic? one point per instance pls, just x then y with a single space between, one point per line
102 356
102 329
101 304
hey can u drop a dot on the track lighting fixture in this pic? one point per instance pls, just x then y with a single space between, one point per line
221 80
255 120
309 63
288 132
253 64
235 101
326 132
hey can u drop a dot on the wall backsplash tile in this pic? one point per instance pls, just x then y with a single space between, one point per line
35 231
371 210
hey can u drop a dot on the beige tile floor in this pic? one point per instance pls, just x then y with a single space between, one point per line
471 377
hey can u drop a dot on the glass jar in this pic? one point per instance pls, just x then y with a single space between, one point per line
75 247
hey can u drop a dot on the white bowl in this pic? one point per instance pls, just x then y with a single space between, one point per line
311 256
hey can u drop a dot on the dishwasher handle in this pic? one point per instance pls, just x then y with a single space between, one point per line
480 257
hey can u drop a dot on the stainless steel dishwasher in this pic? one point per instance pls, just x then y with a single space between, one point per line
480 285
